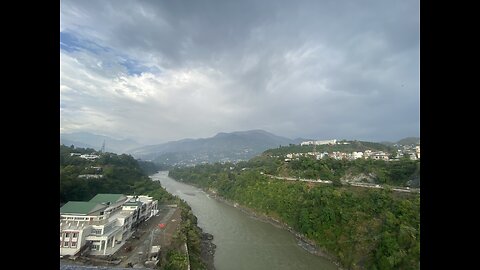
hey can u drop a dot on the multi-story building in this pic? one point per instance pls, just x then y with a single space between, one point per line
356 155
101 225
319 142
380 155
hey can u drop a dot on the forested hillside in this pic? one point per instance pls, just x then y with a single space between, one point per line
403 172
120 174
362 228
123 174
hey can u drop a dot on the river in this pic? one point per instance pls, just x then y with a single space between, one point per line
243 242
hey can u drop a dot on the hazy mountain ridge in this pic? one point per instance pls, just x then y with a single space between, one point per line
239 145
404 141
89 140
68 142
232 146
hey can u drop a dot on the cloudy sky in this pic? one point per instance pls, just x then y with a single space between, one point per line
156 71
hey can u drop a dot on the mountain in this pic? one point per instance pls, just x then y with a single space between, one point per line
68 142
234 146
409 141
89 140
404 141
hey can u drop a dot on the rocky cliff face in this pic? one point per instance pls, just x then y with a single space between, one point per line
361 177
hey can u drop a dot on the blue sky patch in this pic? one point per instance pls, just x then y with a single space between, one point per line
135 68
71 43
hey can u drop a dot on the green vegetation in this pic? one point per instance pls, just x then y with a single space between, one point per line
175 256
123 174
395 173
362 228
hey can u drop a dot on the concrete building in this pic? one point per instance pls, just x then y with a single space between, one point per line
89 157
101 225
91 176
356 155
318 142
379 156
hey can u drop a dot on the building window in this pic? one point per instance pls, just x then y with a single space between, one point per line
74 235
74 244
67 235
65 244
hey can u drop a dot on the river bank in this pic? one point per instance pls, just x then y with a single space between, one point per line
208 250
307 244
243 240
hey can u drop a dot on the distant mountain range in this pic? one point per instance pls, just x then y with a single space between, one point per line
234 146
404 141
94 141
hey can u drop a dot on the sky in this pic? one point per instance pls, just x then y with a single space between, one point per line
158 71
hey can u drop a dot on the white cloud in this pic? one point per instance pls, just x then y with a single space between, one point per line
164 70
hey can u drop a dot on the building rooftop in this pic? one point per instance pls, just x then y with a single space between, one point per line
103 198
80 208
136 203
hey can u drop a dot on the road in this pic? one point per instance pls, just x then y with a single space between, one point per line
300 179
147 235
364 185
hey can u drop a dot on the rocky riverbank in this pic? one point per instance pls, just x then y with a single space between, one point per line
208 250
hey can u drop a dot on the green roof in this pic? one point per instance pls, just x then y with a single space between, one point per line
103 198
81 208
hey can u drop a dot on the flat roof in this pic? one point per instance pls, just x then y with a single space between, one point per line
80 208
105 197
129 203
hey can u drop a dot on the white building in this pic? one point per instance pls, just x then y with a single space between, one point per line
356 155
89 157
379 156
417 150
101 225
322 155
318 142
91 176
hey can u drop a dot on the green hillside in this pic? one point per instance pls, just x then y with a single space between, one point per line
120 174
362 228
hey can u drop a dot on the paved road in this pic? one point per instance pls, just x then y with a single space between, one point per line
145 237
365 185
300 179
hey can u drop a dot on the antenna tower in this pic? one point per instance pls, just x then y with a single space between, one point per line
103 147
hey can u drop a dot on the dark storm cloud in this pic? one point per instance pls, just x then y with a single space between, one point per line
344 69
